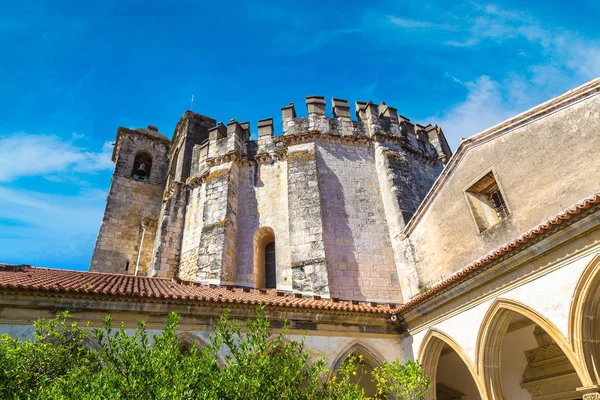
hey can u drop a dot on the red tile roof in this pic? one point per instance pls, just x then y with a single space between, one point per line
521 242
45 280
32 279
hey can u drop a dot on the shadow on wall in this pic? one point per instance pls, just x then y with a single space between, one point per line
248 223
340 248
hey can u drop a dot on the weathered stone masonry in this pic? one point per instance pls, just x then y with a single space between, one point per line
335 193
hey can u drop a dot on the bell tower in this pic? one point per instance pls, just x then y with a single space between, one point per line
128 229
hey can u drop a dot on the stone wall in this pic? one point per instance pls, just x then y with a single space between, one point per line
167 244
359 255
129 201
542 166
334 204
217 247
263 202
193 225
309 264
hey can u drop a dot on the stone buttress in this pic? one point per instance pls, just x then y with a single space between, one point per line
309 265
191 130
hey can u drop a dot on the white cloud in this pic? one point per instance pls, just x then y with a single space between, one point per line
484 106
408 23
49 230
27 155
562 60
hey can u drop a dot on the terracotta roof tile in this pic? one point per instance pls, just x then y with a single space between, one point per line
28 278
512 246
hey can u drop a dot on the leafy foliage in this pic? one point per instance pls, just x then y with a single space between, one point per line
55 364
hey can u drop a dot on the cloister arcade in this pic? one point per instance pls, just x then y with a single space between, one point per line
520 353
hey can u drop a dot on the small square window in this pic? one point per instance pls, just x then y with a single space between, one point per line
486 202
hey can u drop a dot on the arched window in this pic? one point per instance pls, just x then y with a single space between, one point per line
265 262
270 266
142 165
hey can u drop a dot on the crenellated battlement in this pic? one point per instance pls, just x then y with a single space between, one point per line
373 123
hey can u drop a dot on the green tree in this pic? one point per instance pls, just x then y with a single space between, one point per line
29 366
56 365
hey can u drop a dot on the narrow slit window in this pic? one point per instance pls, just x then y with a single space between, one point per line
270 266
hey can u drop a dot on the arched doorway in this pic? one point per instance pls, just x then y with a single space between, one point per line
451 374
368 361
521 355
265 261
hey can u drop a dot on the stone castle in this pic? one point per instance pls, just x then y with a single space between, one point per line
366 236
318 210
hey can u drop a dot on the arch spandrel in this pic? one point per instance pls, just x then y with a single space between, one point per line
462 328
550 295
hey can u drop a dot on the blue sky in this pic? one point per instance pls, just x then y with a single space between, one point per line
72 72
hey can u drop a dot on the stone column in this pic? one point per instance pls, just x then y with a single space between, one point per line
309 267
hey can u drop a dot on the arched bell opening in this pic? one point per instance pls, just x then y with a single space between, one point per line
142 166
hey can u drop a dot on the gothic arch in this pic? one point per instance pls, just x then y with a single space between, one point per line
491 336
188 340
370 357
262 237
285 340
430 352
584 320
91 343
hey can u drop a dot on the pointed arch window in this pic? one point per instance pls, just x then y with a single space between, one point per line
265 260
142 165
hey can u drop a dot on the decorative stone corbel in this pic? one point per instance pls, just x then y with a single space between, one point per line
591 396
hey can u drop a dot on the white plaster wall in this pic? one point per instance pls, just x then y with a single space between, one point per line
514 362
331 347
453 373
550 295
17 331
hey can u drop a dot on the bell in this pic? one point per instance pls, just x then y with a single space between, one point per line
141 170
